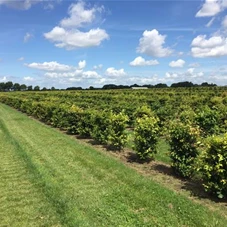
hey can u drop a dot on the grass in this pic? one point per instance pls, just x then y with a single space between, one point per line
49 179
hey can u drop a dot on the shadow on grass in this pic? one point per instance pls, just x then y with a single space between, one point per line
133 157
194 186
196 189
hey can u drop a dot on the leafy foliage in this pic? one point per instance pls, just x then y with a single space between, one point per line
183 150
213 166
146 137
117 136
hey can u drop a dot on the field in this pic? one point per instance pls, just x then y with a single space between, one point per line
49 178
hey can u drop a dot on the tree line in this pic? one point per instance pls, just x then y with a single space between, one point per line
10 86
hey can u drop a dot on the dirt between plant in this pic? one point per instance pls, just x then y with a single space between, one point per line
163 174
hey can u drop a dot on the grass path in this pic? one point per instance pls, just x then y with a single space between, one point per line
49 179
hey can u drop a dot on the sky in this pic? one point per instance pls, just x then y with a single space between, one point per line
92 43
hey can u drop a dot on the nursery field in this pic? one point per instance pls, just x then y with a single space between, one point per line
49 178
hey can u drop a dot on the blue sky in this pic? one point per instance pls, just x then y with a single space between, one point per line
91 43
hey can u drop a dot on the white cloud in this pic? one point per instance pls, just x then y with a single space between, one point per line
213 47
49 66
224 22
74 39
139 61
179 63
90 75
97 67
74 75
68 36
3 79
22 5
27 4
210 22
82 64
191 70
211 8
27 37
28 78
152 44
112 72
194 65
20 59
78 15
189 75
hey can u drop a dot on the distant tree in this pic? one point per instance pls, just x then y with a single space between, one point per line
36 88
182 84
52 88
74 88
91 88
2 86
23 87
16 87
8 85
30 88
205 84
109 86
44 89
160 85
134 85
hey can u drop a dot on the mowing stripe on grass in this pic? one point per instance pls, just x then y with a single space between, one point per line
22 203
88 188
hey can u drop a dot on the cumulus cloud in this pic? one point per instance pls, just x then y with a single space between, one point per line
82 64
27 37
177 64
79 15
67 35
74 75
152 44
49 66
74 39
211 8
190 74
214 46
139 61
112 72
28 78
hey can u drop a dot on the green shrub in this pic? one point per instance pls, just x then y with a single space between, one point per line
146 137
183 150
208 121
85 125
213 166
100 126
117 136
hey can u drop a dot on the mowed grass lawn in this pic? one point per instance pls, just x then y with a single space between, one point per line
49 179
